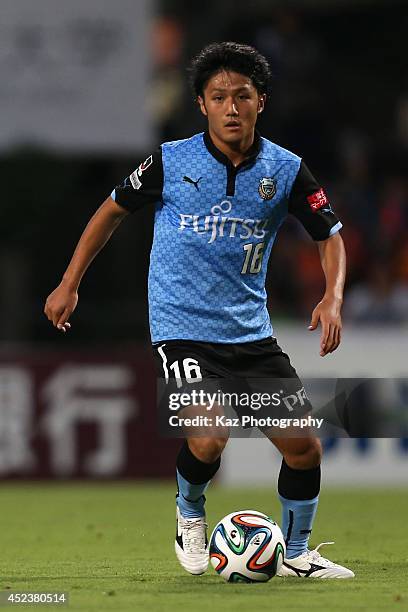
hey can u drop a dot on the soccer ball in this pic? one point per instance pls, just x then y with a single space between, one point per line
247 546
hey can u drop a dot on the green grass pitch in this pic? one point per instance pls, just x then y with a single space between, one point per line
111 547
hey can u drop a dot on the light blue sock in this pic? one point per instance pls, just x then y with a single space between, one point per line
190 498
297 521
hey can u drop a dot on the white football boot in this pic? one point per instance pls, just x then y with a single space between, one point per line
311 564
191 544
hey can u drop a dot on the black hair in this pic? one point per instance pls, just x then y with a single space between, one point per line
229 56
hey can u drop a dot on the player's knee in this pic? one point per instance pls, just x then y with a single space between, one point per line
207 450
314 456
306 456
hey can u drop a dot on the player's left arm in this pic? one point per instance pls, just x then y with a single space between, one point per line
309 203
328 310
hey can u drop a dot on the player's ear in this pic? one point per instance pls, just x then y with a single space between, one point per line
201 104
261 103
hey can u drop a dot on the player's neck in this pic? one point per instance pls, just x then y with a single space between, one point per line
237 151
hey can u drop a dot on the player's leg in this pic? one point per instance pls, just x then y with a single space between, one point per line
269 370
199 456
299 487
299 478
197 463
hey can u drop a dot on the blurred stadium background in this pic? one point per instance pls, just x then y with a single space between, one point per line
87 92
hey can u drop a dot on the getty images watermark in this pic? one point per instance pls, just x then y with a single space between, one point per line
247 402
253 401
332 407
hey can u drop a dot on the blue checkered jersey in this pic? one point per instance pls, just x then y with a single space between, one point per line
214 228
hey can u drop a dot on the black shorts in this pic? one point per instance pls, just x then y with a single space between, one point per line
257 377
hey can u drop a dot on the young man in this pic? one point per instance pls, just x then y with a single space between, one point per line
220 198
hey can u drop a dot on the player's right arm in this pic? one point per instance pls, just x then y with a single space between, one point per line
62 302
143 186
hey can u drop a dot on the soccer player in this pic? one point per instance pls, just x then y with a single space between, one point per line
220 198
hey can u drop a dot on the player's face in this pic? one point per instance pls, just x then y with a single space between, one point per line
232 104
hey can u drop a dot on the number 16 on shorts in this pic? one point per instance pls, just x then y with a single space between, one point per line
188 369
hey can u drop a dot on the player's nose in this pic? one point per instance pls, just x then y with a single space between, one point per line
232 109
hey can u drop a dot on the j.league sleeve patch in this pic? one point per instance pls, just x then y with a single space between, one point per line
318 199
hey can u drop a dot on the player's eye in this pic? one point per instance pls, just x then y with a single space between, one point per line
243 97
217 98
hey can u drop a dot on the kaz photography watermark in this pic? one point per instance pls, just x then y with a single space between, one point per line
248 409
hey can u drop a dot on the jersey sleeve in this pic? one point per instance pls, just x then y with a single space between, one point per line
310 204
143 186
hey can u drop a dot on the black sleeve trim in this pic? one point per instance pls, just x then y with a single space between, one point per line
309 203
143 186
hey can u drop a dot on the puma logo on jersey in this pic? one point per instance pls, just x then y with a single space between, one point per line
187 179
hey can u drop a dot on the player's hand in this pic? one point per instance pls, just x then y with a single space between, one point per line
328 313
59 306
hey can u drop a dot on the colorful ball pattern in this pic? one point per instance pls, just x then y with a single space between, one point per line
247 546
